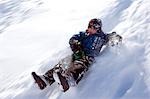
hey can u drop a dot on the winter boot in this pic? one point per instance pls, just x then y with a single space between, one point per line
39 81
61 80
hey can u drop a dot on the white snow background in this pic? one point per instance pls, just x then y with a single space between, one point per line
34 36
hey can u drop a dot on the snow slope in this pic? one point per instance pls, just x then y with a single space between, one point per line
16 11
120 72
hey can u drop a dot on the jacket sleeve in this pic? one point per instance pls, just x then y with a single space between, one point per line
76 38
75 41
106 39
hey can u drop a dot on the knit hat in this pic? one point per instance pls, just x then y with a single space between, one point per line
96 23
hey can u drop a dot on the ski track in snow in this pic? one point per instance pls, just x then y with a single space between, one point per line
120 72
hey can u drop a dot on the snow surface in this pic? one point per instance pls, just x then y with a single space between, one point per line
41 40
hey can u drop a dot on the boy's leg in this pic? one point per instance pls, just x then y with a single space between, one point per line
79 67
61 80
76 70
43 80
55 75
79 71
48 76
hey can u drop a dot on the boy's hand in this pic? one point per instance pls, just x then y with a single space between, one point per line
75 45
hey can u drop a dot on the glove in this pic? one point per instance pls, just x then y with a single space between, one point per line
75 45
114 38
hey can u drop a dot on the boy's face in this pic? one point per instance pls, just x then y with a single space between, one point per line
91 30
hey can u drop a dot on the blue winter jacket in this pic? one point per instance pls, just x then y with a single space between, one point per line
91 44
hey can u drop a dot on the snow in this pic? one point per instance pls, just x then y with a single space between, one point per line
36 37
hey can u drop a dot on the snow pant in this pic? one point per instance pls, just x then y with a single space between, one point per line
76 70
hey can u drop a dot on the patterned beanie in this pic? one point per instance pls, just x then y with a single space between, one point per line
96 23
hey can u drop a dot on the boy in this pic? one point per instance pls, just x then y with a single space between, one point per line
85 46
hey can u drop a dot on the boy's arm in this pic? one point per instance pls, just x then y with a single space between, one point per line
113 38
75 41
